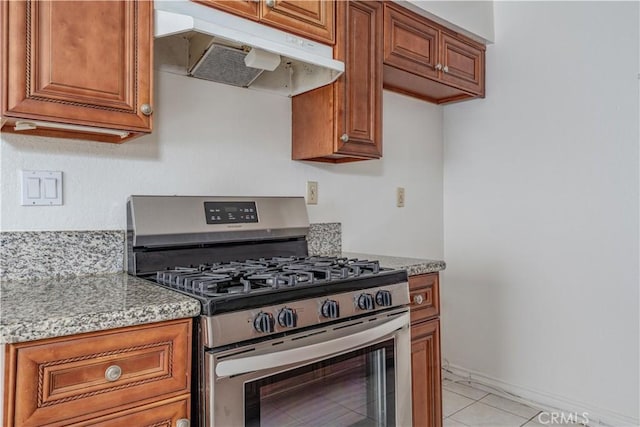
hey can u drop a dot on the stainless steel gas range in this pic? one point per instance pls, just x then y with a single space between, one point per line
283 338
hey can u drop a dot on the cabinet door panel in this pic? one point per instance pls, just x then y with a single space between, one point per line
409 43
309 18
465 64
79 62
425 374
362 81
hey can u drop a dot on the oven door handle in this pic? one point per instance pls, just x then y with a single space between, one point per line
243 365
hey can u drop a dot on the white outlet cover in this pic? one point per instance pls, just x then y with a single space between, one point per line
41 188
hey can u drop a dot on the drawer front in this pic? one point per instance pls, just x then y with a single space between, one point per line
68 378
161 414
424 293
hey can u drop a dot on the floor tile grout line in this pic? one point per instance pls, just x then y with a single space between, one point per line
506 410
530 419
493 407
459 422
465 407
459 394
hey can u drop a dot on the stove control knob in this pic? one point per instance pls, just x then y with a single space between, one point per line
287 318
263 322
383 298
365 302
330 309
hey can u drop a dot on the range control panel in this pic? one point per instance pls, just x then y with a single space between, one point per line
230 212
238 326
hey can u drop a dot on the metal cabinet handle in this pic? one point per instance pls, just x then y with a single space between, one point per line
418 299
438 66
344 138
112 373
146 109
183 422
270 3
445 69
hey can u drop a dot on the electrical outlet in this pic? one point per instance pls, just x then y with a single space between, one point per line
400 197
312 193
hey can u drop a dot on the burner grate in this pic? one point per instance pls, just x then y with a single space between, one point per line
263 274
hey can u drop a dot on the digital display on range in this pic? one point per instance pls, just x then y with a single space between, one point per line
230 212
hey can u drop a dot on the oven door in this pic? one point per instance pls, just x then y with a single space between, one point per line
354 373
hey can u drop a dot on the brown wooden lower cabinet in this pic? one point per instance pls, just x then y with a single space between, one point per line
425 351
138 376
425 365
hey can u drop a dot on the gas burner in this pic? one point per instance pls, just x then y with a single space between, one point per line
263 274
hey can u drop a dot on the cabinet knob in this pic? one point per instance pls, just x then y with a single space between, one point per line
344 138
183 422
445 69
270 3
112 373
146 109
438 66
418 299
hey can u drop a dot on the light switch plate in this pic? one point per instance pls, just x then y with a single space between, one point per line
41 188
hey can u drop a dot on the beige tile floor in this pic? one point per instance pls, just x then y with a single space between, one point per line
464 406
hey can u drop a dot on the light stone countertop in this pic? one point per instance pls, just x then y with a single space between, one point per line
32 310
414 266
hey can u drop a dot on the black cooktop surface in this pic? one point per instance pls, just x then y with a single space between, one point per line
230 286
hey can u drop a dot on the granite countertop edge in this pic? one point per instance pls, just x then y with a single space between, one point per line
414 266
26 319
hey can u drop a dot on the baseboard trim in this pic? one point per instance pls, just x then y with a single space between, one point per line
547 401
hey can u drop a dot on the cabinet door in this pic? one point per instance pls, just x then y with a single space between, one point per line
410 43
359 110
463 64
78 62
309 18
425 378
246 8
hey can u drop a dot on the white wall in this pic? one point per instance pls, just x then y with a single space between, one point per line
211 139
471 17
541 210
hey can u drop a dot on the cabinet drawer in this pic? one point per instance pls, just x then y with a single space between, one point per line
425 296
63 380
164 413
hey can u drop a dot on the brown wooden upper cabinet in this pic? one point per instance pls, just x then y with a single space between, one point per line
342 122
309 18
70 65
425 60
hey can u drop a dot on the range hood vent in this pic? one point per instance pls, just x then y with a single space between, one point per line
226 65
203 42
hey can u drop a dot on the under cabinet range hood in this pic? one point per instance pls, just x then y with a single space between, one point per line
203 42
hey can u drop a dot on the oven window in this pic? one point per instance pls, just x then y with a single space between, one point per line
354 389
